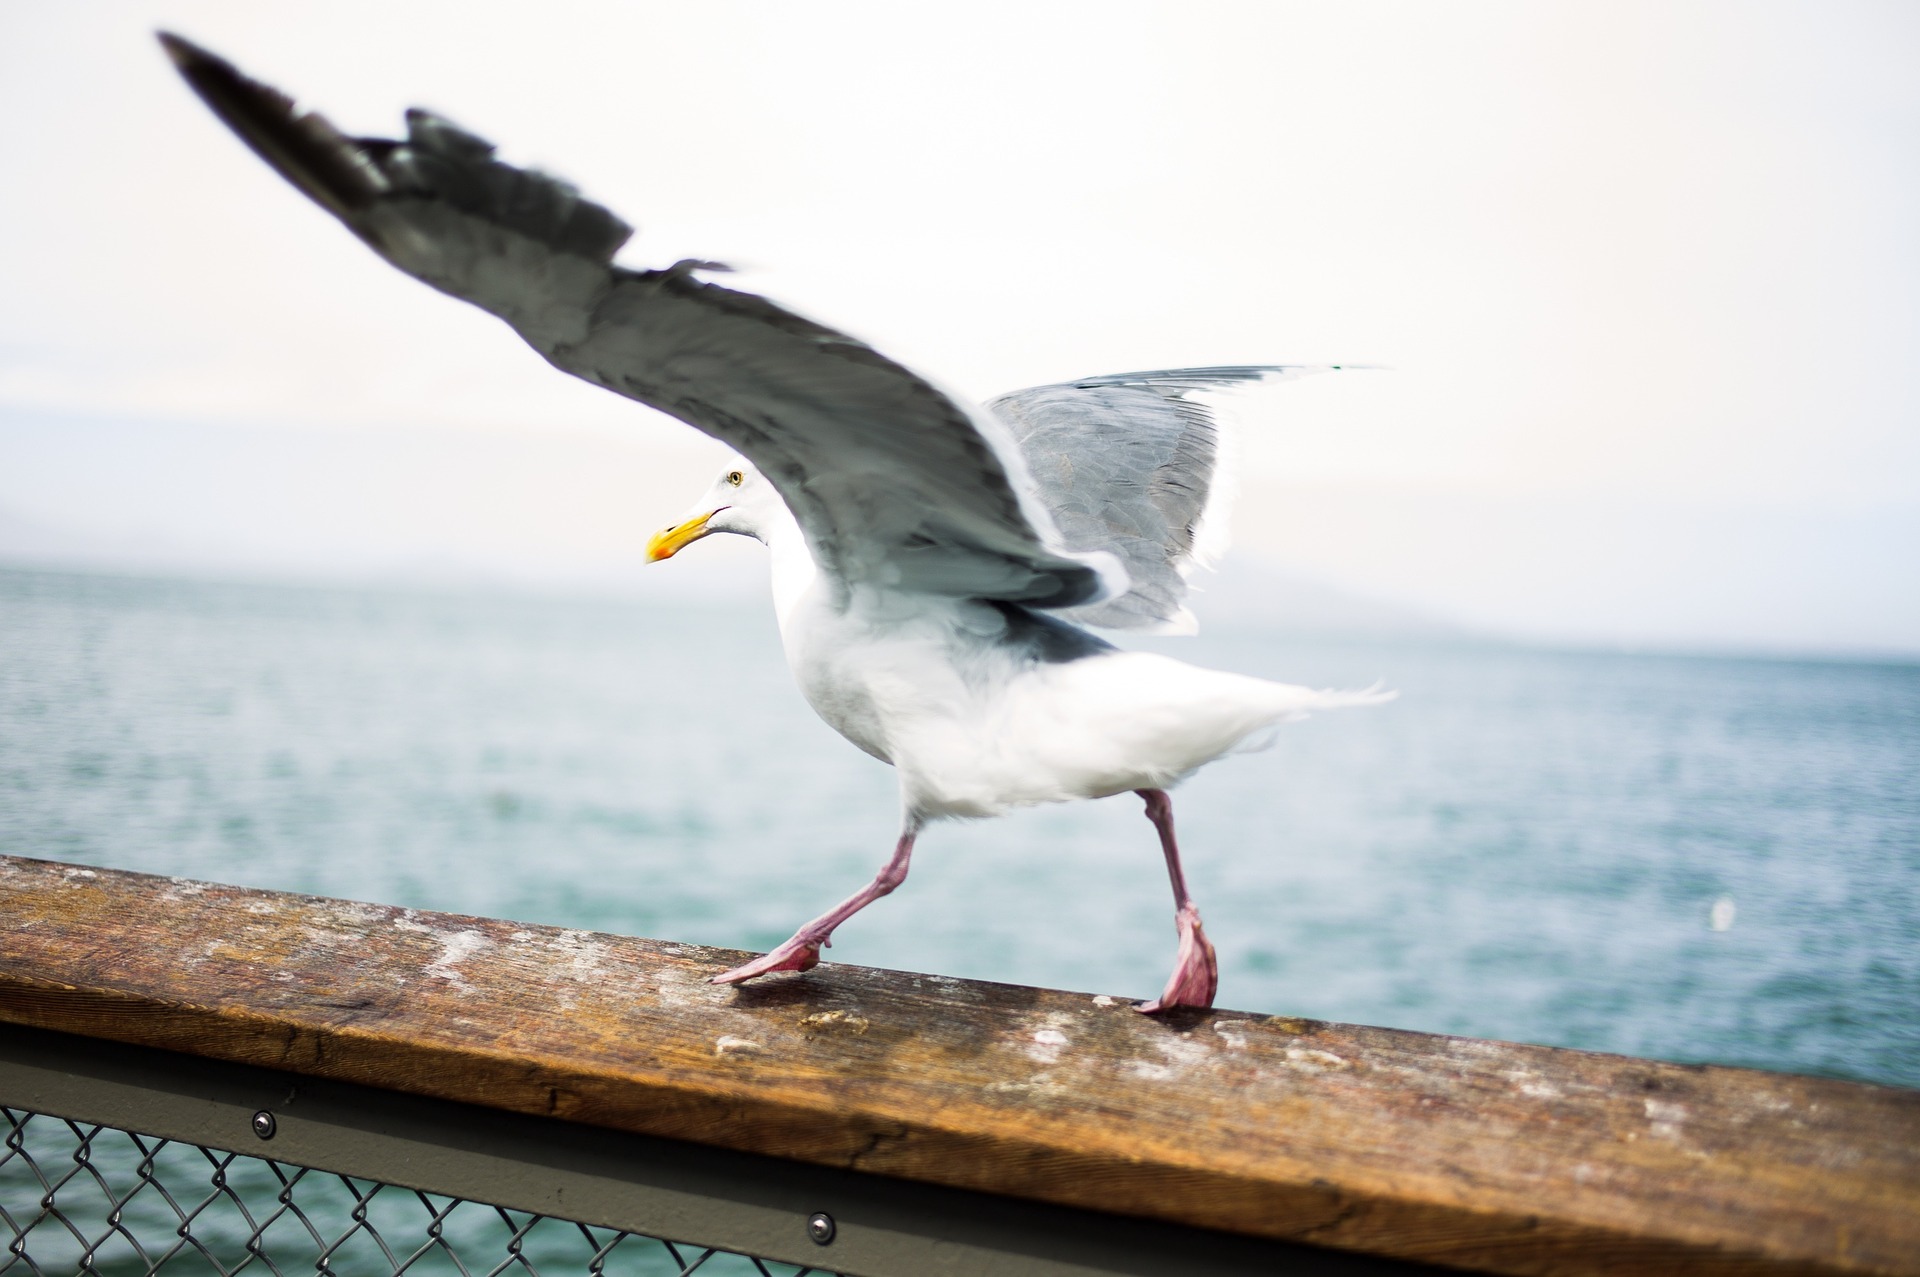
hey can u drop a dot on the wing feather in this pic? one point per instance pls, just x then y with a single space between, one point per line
1129 464
896 484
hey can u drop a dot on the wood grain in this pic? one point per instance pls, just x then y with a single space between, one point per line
1489 1156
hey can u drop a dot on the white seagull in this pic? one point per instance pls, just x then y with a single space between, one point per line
933 562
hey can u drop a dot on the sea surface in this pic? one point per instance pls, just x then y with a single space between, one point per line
1685 857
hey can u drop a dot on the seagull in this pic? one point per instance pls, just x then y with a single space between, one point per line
938 568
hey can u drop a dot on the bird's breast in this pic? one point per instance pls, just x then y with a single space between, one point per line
848 669
885 674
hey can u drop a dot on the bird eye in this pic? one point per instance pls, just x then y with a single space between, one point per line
736 478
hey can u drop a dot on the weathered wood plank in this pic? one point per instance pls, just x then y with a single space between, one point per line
1485 1155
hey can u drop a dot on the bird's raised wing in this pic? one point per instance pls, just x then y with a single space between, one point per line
1129 464
896 484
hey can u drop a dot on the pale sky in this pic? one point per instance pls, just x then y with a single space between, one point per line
1646 278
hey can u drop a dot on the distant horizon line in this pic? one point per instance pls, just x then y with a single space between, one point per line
590 590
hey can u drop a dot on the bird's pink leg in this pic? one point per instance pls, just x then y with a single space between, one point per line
802 952
1196 972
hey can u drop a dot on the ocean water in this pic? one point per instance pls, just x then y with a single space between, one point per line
1683 857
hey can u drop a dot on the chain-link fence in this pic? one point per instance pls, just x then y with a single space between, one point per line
93 1200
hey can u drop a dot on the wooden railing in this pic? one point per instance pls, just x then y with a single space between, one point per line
1487 1156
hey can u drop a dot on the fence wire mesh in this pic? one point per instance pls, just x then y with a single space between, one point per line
97 1201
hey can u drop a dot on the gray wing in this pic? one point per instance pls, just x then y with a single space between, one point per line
895 483
1129 464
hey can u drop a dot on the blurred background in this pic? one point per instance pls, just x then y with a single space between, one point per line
311 578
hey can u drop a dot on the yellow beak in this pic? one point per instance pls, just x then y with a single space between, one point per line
665 545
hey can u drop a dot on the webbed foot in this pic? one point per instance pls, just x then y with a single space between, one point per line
797 954
1196 972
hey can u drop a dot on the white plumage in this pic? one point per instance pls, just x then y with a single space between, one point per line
933 561
983 708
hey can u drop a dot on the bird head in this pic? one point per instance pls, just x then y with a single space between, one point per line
740 501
